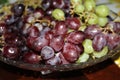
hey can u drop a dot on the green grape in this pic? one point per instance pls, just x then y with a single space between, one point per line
75 2
58 14
83 58
101 53
89 5
87 44
102 21
82 28
93 19
102 10
79 9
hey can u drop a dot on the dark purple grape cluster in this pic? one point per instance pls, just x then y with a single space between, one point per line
36 36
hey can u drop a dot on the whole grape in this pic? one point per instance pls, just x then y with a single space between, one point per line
58 14
102 10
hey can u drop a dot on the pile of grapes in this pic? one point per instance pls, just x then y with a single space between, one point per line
57 31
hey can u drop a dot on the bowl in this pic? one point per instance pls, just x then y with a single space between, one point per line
65 67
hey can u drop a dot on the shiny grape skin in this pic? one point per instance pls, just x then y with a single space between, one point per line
73 23
70 52
91 31
11 51
113 40
18 10
31 57
33 32
76 37
46 4
57 43
58 3
99 41
60 28
40 42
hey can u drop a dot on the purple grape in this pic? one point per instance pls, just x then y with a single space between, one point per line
47 52
92 30
99 41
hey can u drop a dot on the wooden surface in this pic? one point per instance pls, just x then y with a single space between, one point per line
106 70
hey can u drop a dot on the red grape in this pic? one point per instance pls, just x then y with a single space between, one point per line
70 52
57 43
61 28
31 57
92 30
99 41
76 37
11 51
73 23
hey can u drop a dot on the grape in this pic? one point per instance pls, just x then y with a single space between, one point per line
102 53
2 28
54 60
58 14
11 19
93 19
31 57
10 51
57 43
82 28
112 40
63 60
115 26
99 41
91 31
76 2
102 21
38 13
40 42
70 52
87 44
83 58
79 9
58 3
73 23
102 10
46 4
89 5
76 37
33 31
47 52
18 9
60 28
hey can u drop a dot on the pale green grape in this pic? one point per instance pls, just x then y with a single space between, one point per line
79 9
87 44
76 2
89 5
102 21
83 58
102 10
58 14
101 53
93 19
82 28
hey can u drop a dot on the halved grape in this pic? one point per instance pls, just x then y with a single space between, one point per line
83 58
102 53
